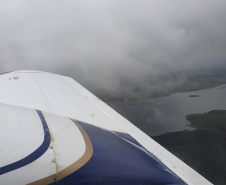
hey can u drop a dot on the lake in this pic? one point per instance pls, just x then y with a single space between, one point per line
167 114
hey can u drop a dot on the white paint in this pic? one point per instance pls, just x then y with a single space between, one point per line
21 133
54 94
39 169
68 142
63 96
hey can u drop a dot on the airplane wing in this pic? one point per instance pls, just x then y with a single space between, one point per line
54 131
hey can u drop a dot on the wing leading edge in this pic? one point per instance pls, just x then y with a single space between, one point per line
62 96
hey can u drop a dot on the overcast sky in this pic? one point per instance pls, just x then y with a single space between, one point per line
100 43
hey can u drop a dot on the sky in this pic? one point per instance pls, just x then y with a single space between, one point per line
104 44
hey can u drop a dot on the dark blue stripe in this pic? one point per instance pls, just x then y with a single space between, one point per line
119 159
6 72
34 155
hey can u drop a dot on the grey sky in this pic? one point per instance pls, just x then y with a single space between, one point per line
100 43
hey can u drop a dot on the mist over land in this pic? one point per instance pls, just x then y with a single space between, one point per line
116 49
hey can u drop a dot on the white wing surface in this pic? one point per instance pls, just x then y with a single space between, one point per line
111 138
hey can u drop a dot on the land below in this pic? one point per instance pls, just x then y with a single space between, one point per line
166 104
204 149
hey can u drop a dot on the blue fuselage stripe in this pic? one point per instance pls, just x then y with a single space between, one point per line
34 155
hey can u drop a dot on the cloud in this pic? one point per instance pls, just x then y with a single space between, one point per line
105 44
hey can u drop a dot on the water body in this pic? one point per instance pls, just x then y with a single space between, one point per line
167 114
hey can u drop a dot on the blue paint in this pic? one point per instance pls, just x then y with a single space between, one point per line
34 155
117 161
5 72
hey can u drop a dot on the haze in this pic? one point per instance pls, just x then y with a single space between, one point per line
105 44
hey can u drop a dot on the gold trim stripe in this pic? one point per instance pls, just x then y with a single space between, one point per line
73 167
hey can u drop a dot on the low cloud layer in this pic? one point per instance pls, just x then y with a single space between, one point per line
103 44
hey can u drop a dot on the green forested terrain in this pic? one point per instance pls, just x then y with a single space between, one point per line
204 149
